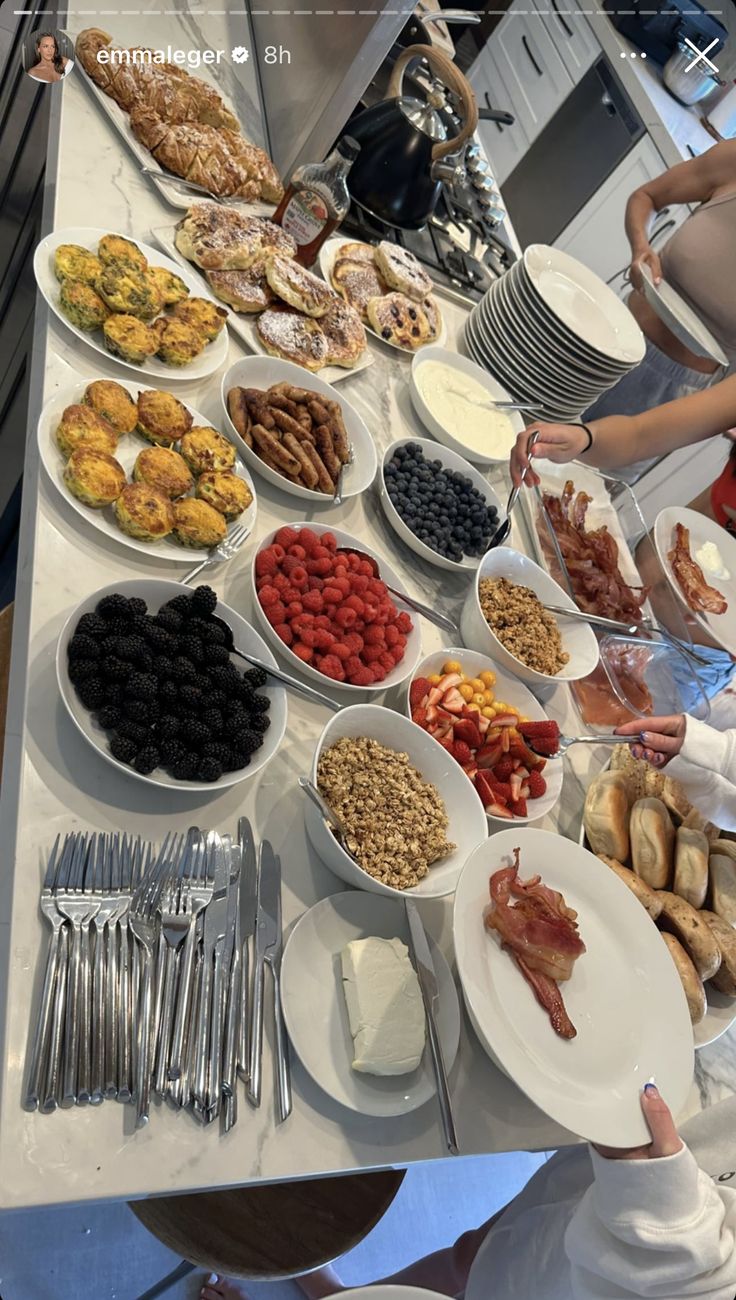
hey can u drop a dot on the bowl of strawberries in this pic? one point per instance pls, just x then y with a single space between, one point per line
321 605
488 720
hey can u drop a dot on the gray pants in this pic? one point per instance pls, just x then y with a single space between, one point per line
653 382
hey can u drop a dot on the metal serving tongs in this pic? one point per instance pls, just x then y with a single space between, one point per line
631 629
181 183
504 528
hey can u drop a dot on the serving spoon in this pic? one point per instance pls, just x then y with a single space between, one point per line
432 615
336 825
291 683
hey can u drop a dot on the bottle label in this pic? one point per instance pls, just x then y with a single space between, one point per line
304 216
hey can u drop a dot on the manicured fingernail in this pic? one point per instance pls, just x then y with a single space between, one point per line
650 1090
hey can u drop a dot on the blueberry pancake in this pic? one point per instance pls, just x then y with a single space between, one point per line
357 282
399 320
401 270
165 470
293 337
94 477
343 329
358 251
296 285
244 291
205 449
225 491
81 426
113 402
144 512
431 308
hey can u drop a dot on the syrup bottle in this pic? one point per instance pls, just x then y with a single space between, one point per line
316 200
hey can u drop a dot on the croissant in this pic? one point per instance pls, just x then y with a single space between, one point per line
257 164
196 152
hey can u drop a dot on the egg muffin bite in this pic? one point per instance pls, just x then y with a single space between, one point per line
171 287
162 418
178 343
165 470
82 305
205 449
113 402
94 477
79 426
114 248
72 262
126 289
204 316
144 512
225 491
129 338
198 524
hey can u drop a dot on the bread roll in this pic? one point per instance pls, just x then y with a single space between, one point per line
725 847
648 898
633 770
652 842
689 978
725 936
692 931
654 782
691 866
606 816
722 869
675 800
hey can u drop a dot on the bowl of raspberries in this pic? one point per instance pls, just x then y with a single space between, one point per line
147 677
322 606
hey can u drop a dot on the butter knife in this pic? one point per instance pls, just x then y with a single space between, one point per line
248 905
421 959
215 921
268 952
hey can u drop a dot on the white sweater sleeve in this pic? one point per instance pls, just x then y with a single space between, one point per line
653 1228
706 767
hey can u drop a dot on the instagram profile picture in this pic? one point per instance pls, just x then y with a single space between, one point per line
48 55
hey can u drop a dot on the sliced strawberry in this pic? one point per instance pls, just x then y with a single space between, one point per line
519 750
546 728
503 769
453 701
518 808
446 742
516 784
432 713
525 790
418 690
435 695
523 773
419 715
537 785
449 680
498 810
501 789
470 770
466 729
505 720
486 789
489 754
505 740
483 724
461 751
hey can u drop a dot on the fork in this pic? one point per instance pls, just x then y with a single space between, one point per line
174 929
198 885
143 918
228 547
56 864
129 864
78 908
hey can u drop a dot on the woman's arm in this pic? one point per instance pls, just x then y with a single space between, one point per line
620 440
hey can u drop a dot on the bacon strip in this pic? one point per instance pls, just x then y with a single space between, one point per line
591 558
690 577
548 996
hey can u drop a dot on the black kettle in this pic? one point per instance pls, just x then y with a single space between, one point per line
398 174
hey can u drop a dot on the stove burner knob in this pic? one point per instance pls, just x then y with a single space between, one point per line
449 172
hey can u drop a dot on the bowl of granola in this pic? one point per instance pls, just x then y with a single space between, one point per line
411 815
504 616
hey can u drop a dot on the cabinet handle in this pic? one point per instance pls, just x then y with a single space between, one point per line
534 63
661 230
567 30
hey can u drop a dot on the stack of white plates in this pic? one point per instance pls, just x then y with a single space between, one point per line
553 333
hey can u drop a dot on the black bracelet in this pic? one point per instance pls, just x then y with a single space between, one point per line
589 444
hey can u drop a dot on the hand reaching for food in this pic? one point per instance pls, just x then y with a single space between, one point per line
666 1141
557 442
661 741
647 258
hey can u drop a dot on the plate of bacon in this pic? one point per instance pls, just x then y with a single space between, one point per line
568 984
699 558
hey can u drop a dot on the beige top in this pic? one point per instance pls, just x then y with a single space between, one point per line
699 261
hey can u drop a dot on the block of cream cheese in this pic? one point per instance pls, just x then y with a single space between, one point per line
385 1006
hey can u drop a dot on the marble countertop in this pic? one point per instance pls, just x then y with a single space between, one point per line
53 782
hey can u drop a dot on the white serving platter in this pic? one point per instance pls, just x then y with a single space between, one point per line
167 550
209 359
316 1015
679 317
722 627
244 324
624 998
327 256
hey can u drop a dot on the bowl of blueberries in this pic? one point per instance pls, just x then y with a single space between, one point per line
438 504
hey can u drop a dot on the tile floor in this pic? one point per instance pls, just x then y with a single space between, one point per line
102 1252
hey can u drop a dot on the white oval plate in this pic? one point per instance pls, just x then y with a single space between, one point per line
681 319
327 256
450 460
584 302
722 627
167 549
316 1015
624 998
209 360
262 372
156 592
244 323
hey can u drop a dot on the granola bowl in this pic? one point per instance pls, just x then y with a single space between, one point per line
578 639
467 824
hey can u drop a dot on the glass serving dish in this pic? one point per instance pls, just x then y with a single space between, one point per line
638 675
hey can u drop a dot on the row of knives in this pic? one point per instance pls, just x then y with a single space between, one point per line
155 974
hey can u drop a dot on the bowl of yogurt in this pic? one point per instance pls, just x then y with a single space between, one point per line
450 394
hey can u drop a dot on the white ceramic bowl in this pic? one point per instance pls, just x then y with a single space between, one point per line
578 639
262 372
465 367
389 576
509 689
468 825
454 462
156 592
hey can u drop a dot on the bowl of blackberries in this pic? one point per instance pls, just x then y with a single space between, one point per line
438 504
147 675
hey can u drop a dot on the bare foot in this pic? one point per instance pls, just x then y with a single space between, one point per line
320 1283
222 1288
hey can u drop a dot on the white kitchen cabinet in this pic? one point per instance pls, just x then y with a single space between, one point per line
531 67
596 235
572 35
504 146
